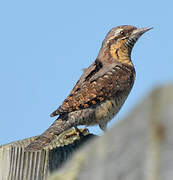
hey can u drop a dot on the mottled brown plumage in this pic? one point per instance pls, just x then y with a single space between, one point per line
96 88
101 90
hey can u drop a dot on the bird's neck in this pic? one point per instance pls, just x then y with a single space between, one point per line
116 53
120 54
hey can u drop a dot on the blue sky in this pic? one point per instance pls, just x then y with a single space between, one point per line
44 45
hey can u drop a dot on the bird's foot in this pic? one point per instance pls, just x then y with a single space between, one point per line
77 132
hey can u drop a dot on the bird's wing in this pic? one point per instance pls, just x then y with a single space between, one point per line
95 85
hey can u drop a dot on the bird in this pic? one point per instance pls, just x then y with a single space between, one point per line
102 88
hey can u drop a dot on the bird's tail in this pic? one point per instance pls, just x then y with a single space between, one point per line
61 124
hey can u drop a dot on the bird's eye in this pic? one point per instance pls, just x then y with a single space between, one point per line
122 33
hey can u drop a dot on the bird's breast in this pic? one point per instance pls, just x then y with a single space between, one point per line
108 109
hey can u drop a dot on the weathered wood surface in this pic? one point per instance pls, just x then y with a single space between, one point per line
140 147
16 164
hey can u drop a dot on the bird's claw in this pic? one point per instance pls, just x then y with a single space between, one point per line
76 132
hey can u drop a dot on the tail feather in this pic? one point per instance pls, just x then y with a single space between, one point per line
55 113
59 125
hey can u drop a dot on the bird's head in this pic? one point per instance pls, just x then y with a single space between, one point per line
120 40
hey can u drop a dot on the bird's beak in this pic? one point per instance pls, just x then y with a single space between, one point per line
138 32
134 36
